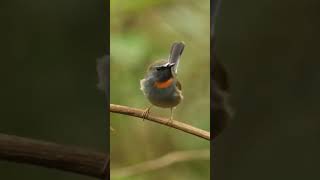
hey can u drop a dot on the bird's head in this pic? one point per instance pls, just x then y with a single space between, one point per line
161 70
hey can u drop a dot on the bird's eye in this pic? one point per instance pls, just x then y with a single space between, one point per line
158 68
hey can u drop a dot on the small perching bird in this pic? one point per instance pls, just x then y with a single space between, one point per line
160 85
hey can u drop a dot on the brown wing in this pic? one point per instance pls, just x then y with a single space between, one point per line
179 85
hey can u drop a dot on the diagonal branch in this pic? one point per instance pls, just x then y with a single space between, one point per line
164 161
164 121
52 155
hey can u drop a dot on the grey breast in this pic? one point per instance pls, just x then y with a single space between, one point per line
166 97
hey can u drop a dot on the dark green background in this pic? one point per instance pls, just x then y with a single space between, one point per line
48 77
271 50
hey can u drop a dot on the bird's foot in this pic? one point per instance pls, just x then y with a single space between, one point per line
146 113
170 120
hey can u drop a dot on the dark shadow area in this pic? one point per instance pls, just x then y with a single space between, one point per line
48 77
271 51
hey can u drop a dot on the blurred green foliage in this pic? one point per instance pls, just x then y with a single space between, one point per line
141 32
48 78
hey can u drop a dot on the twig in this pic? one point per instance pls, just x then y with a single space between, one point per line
166 160
51 155
175 124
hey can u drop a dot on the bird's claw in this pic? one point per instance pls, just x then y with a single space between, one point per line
145 113
170 120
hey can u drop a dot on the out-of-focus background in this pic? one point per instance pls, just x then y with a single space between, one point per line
271 51
142 32
48 77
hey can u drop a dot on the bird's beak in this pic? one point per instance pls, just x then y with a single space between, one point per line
171 64
168 65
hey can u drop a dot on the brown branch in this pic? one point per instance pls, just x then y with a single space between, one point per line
52 155
164 121
164 161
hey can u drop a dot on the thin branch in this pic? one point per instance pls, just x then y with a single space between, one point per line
51 155
164 121
164 161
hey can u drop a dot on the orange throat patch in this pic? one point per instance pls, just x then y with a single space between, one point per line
165 84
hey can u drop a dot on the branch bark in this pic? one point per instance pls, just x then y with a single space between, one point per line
52 155
164 161
164 121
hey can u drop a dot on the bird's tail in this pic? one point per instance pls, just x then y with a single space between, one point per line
175 54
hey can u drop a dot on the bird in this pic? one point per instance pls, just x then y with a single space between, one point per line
160 84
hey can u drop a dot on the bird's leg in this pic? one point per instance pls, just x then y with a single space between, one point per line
146 113
171 115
